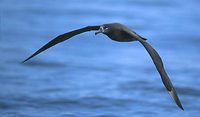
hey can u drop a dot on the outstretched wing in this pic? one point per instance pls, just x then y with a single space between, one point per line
160 67
62 38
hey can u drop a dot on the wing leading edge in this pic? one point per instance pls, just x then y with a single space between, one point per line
62 38
160 67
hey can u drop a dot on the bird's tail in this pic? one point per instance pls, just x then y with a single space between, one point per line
144 38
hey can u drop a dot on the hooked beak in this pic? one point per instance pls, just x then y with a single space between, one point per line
101 30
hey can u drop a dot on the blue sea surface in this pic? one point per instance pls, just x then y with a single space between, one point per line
93 76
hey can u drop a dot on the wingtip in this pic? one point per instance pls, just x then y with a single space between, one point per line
24 61
174 96
27 59
181 108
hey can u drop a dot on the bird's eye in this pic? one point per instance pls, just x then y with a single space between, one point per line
106 28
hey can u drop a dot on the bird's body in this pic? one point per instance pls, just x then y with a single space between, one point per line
119 30
120 33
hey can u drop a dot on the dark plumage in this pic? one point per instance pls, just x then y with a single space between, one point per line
120 33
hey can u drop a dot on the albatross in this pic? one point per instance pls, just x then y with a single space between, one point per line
120 33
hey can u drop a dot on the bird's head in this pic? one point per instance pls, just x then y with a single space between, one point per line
103 29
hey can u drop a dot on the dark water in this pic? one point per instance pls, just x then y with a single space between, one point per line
92 76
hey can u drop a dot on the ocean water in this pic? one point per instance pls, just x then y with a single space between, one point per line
93 76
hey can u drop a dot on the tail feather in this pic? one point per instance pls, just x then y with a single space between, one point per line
144 38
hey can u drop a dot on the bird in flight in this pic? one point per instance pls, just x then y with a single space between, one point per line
120 33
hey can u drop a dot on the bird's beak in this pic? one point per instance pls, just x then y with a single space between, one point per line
101 30
97 32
